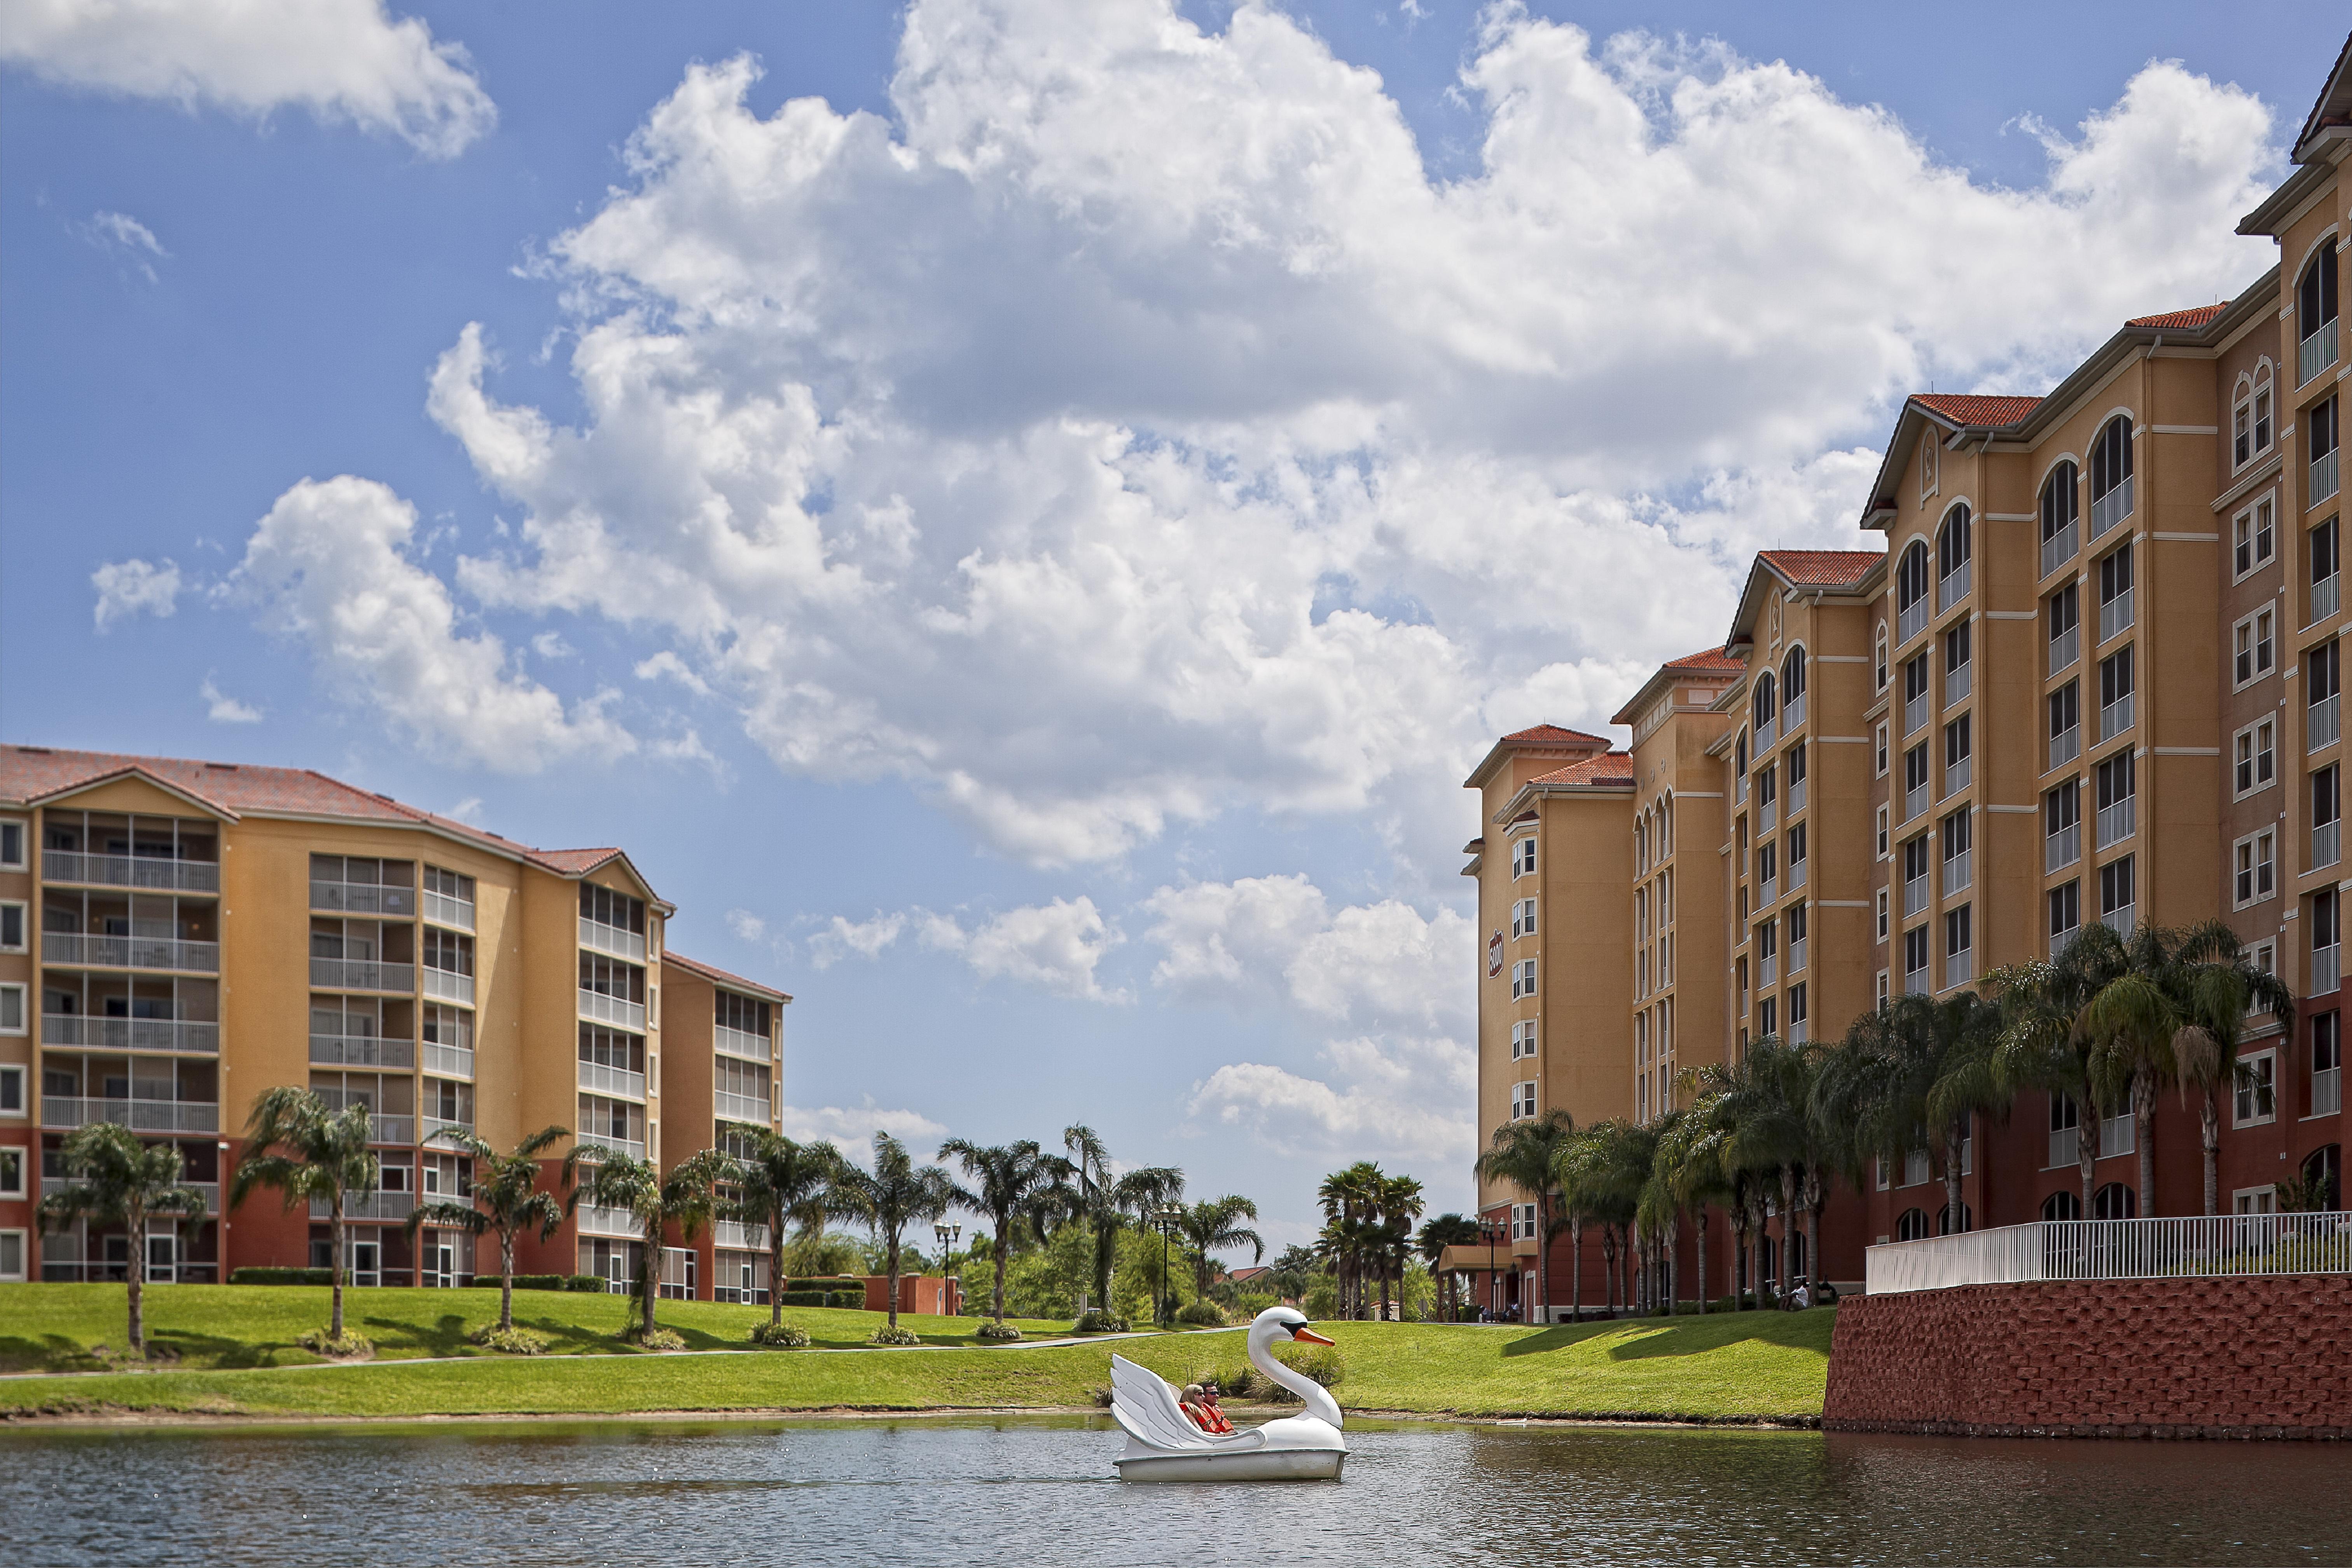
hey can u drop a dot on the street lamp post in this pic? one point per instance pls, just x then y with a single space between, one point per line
1493 1229
949 1236
1167 1216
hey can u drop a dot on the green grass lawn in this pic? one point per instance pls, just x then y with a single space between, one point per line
1744 1366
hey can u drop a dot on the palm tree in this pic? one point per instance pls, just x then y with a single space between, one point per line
2045 1042
1767 1100
1714 1094
1399 1205
892 1196
687 1197
326 1155
1107 1203
1915 1064
1610 1163
2131 1023
1350 1200
1523 1154
776 1182
1437 1234
1214 1225
507 1199
113 1179
1011 1183
2219 987
1687 1171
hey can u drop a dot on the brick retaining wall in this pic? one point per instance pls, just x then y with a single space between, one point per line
2264 1357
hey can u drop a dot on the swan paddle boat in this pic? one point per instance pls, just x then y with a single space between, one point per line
1162 1444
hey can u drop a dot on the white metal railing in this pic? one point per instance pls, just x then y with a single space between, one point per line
739 1043
634 1148
1957 872
1767 892
1957 774
1768 969
2326 844
391 1128
1910 621
370 1205
612 940
1739 791
362 1051
449 1061
2326 973
131 871
2122 922
599 1008
362 899
2326 1092
1914 712
1951 588
2061 941
2065 648
2062 849
2111 508
2117 822
1957 682
739 1235
2115 717
1792 713
2322 597
1914 802
2327 722
1914 896
2316 351
1797 954
129 1034
731 1107
361 975
131 952
448 986
598 1078
1914 982
2212 1246
1767 815
2058 549
2323 486
2116 616
1766 733
1797 787
436 1125
2065 745
1797 874
139 1115
444 910
597 1221
2065 1148
1959 968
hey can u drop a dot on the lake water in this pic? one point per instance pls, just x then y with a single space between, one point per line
1037 1490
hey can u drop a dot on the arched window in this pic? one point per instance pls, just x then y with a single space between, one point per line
2250 416
2111 475
1911 593
1767 706
1881 661
1739 762
1912 1226
1944 1220
2115 1201
1953 542
1793 686
2314 303
2263 384
2062 1206
2061 501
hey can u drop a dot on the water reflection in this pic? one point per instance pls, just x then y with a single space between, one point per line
1039 1491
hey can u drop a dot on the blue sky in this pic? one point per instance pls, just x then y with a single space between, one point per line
1024 544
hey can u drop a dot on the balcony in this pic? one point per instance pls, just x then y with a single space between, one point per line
1739 791
735 1235
2117 822
1767 815
444 910
2064 1148
2327 972
139 1115
2115 717
363 898
2065 648
449 1061
752 1108
595 1221
362 974
1957 682
448 986
1958 872
1797 955
2316 352
2323 598
2061 941
1914 800
2065 745
2122 922
2116 616
2326 844
1914 712
1914 896
1768 891
1768 971
612 940
1959 968
599 1008
1914 982
739 1043
1797 874
620 1082
1954 587
362 1051
2322 485
131 871
1792 713
1910 621
369 1205
634 1148
2062 849
1796 795
2058 549
2111 508
1958 775
2325 725
80 1029
436 1125
2118 1135
131 952
391 1128
2326 1092
1766 733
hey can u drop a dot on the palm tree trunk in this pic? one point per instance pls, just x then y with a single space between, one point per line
1702 1260
1575 1267
1951 1154
505 1277
1543 1256
2209 1128
776 1267
1003 1246
649 1277
892 1262
2086 1151
2143 1095
136 1280
335 1274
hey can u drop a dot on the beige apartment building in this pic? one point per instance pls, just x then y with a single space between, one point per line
178 936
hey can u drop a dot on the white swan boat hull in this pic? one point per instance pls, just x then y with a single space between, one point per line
1263 1465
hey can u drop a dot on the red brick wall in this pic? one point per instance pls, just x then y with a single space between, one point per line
2138 1358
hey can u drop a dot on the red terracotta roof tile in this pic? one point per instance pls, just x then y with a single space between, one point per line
1824 568
1708 658
1617 767
1552 734
717 976
1966 408
2171 318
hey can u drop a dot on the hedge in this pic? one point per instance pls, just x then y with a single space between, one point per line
835 1282
283 1276
591 1283
823 1298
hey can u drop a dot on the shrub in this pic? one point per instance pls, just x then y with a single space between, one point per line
540 1281
779 1336
659 1340
851 1298
1100 1322
1001 1333
1202 1314
1246 1306
1103 1398
887 1335
281 1277
838 1282
513 1342
587 1284
354 1343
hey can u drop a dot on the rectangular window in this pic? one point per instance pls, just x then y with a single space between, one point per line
1916 859
1958 834
1797 1021
12 844
12 928
1523 979
1958 671
2066 619
1768 1015
1915 960
12 1255
2116 690
2065 915
2254 757
1796 846
1882 914
2253 646
12 1009
1523 1039
2254 877
1523 856
1881 833
1879 662
1914 781
2257 1088
2118 895
2324 562
2062 827
1959 943
1959 753
1523 1101
2323 688
2327 1068
2117 784
12 1091
2253 533
12 1172
1914 693
1523 919
1878 749
2065 728
2114 592
1886 987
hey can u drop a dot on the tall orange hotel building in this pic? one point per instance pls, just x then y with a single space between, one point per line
177 937
2093 674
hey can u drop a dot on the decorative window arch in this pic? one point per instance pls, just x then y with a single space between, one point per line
2061 501
1739 759
2061 1206
1879 664
1911 576
2115 1201
1666 822
2251 402
1944 1220
1913 1225
1793 683
2111 473
1955 546
1766 700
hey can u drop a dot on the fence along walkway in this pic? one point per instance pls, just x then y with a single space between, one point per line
2237 1244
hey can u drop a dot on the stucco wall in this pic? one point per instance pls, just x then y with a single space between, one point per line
2141 1358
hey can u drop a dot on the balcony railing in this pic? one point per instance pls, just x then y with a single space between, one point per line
1739 791
2211 1245
2065 648
2115 717
2316 352
2062 849
391 1128
362 974
2323 486
612 940
2065 1149
2326 1092
1766 733
2326 726
449 1061
2111 508
598 1078
599 1008
1959 968
1792 713
448 986
1957 682
728 1107
2116 616
1796 792
1914 712
2122 922
362 1051
634 1148
595 1221
1957 872
1914 982
131 952
139 1115
1797 874
1952 588
1914 896
739 1043
436 1125
737 1236
444 910
2058 549
1767 815
129 1034
1910 621
2323 598
2065 745
363 898
2117 822
2326 844
1957 775
1767 892
1768 970
369 1205
1797 955
1914 802
2326 970
2061 941
131 871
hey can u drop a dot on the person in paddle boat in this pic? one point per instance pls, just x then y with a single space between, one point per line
1169 1435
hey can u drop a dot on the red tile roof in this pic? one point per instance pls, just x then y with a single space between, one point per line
1824 568
1708 658
1552 735
1964 408
1615 768
2171 318
29 773
717 976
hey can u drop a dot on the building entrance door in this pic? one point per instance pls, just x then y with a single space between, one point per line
162 1258
367 1263
441 1265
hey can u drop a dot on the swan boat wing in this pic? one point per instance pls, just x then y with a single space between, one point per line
1143 1402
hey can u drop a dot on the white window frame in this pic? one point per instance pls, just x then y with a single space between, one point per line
2253 1201
21 1156
1883 926
1522 1038
1885 834
24 1109
1523 918
1523 979
2251 737
24 844
1885 986
24 1020
1523 1222
24 1259
2239 1091
1879 751
2250 524
24 926
1523 1100
2260 849
1523 856
2260 631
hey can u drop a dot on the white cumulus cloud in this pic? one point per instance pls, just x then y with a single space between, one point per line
129 588
1056 946
222 708
841 937
339 59
851 1129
